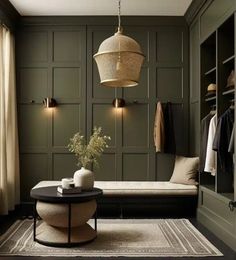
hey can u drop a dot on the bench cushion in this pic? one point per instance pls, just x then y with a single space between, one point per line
140 188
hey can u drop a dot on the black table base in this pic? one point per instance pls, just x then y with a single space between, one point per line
68 243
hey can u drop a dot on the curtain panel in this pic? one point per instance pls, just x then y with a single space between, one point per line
9 148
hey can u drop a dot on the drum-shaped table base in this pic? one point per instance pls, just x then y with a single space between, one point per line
55 236
64 217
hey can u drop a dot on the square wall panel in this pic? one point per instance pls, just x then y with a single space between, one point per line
135 167
170 46
33 46
33 169
181 129
169 83
33 126
104 115
67 46
33 84
64 165
107 168
67 83
99 91
142 90
99 36
164 166
142 38
136 125
66 122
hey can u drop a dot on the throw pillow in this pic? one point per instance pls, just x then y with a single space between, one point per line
185 170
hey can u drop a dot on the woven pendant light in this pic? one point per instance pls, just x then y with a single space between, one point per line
119 60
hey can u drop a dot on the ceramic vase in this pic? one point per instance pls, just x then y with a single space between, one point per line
84 178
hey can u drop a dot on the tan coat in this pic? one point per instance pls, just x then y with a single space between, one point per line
159 129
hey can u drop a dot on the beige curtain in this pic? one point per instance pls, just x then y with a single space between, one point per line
9 151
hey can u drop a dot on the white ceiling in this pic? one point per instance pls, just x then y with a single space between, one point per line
101 7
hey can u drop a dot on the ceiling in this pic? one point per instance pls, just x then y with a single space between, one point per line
101 7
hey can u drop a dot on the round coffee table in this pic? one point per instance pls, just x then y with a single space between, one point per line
64 217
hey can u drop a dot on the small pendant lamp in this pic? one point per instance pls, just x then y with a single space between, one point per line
119 60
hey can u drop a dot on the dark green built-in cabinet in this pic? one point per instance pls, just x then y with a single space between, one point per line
212 58
55 59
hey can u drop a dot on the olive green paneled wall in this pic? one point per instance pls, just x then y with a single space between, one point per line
50 63
57 61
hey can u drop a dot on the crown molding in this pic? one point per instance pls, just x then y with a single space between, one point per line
8 14
103 20
193 10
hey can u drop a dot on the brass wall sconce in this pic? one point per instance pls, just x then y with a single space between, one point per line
118 102
49 102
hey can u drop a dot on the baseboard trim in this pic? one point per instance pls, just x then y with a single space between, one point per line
141 207
223 234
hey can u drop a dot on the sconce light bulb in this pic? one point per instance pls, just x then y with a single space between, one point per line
118 102
49 102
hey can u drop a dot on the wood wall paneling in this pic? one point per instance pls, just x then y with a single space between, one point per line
33 84
49 64
36 44
64 165
107 170
62 66
135 126
194 140
135 167
214 14
105 115
34 168
33 126
169 84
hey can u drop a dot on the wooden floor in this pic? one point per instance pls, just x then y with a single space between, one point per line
229 254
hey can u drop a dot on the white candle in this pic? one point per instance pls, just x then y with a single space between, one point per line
66 183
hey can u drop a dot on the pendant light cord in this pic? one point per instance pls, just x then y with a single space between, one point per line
118 64
119 19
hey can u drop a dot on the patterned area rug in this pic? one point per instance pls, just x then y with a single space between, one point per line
118 237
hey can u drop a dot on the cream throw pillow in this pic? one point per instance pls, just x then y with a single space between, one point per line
185 171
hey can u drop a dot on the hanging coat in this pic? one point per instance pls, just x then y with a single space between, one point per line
159 129
205 123
211 156
222 140
170 145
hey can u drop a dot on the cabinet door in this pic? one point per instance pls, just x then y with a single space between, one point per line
214 15
194 89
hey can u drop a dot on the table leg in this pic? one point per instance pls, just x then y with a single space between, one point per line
69 223
95 220
35 218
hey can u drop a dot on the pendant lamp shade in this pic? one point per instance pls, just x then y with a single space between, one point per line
119 60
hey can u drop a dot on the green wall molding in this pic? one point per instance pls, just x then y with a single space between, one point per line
103 20
8 14
59 63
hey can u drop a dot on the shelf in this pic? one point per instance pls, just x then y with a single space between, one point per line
228 195
230 59
210 99
210 187
228 92
210 71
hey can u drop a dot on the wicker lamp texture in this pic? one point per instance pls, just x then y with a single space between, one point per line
119 60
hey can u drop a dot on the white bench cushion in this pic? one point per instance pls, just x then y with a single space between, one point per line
137 188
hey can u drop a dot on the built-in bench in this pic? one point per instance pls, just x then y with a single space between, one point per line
144 199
